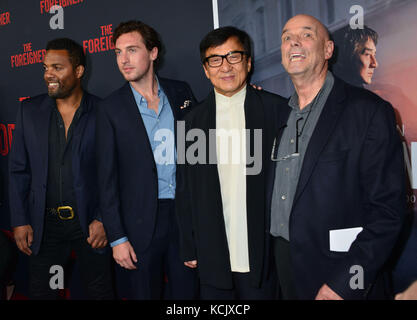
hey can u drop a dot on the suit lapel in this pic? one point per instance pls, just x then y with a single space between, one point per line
171 95
42 119
324 127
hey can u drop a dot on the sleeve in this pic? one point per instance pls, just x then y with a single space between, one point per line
108 193
382 177
184 210
19 174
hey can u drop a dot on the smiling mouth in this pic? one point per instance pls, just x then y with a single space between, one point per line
53 85
228 78
297 57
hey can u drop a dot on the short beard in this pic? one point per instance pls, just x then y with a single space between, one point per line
61 94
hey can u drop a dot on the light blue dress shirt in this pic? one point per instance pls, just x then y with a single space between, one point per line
161 134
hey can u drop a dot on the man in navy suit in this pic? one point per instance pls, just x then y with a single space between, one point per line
137 167
53 183
338 199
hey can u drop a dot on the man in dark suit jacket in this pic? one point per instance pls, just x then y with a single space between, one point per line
136 169
53 198
221 198
338 199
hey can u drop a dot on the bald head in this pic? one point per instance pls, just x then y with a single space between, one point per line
309 22
306 47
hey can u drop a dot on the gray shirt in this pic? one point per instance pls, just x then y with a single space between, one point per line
289 158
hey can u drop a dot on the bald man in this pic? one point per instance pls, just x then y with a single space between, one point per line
338 197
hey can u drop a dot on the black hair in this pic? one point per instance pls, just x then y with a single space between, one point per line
219 36
75 51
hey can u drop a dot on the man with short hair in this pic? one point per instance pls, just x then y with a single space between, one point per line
136 168
356 62
53 198
222 202
338 200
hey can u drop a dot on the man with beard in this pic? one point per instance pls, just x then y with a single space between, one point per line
53 202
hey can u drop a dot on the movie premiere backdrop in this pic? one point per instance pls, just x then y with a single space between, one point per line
26 26
394 76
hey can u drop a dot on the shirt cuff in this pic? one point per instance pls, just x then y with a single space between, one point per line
120 241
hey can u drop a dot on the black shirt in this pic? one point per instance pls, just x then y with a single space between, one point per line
60 189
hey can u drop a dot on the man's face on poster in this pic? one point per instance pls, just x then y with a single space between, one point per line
367 61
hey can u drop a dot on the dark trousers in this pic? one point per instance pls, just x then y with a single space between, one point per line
284 271
160 273
242 290
59 238
8 257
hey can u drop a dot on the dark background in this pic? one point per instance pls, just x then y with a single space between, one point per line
180 23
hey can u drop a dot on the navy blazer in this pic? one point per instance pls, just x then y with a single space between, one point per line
28 165
199 201
127 174
352 176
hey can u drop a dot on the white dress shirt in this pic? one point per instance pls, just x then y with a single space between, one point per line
231 166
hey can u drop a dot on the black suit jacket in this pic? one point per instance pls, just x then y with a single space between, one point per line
28 165
199 202
127 175
352 176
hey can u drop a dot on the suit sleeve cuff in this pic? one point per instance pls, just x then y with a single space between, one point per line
117 242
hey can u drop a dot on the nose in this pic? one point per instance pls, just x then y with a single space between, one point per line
295 42
123 58
48 75
226 66
374 62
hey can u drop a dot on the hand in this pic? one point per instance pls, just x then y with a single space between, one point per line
125 255
409 294
97 236
24 238
256 87
191 264
325 293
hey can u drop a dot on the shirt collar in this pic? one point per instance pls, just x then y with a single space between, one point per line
237 99
139 98
293 102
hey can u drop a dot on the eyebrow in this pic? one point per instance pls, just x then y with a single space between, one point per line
306 27
54 64
369 49
129 47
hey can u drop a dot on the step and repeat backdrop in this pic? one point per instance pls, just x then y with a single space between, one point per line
26 26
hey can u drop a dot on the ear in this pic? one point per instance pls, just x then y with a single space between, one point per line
154 53
79 71
328 49
249 64
206 71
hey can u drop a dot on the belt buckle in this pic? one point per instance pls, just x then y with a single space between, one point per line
65 208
